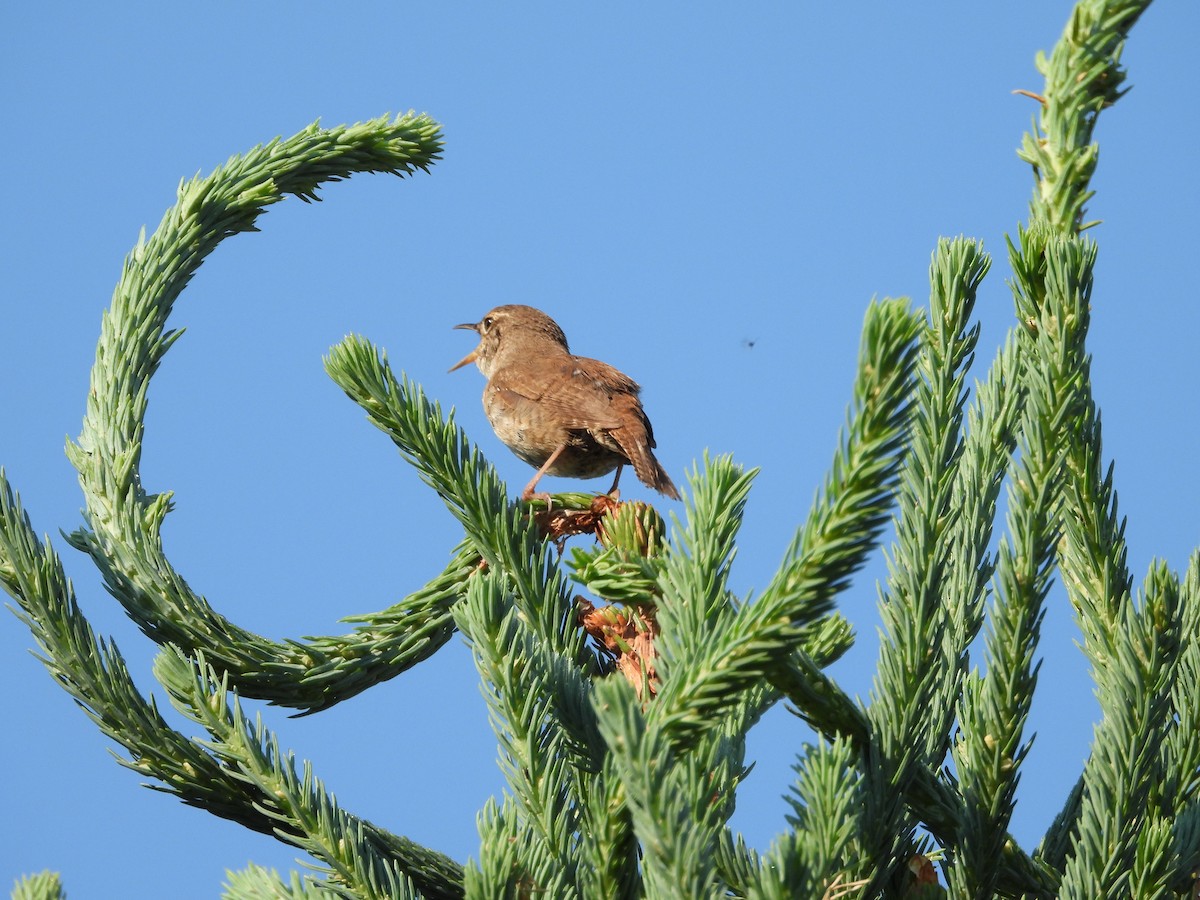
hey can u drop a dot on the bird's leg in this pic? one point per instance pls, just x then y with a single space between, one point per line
612 491
528 494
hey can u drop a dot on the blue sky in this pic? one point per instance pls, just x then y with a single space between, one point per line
705 196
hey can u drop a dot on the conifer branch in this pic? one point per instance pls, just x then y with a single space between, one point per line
536 753
921 654
994 706
93 672
1134 658
609 849
823 847
1133 651
1052 376
258 883
843 527
678 797
737 864
695 572
1061 432
123 533
1177 794
42 886
300 804
1083 76
856 497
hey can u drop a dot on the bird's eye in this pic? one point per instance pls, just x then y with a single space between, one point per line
488 322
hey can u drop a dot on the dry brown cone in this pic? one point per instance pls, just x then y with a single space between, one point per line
628 639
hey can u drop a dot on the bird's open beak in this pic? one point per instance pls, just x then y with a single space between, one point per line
470 357
466 360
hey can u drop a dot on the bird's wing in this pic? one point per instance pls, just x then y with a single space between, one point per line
624 402
583 393
603 374
593 395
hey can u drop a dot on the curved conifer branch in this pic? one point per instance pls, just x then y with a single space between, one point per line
123 533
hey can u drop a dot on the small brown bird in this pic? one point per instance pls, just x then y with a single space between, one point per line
567 415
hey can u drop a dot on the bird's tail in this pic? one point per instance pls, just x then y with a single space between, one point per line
648 469
659 480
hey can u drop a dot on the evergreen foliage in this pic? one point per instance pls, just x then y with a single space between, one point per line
622 765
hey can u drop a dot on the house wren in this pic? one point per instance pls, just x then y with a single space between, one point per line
567 415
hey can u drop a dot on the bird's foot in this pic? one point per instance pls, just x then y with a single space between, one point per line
529 494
